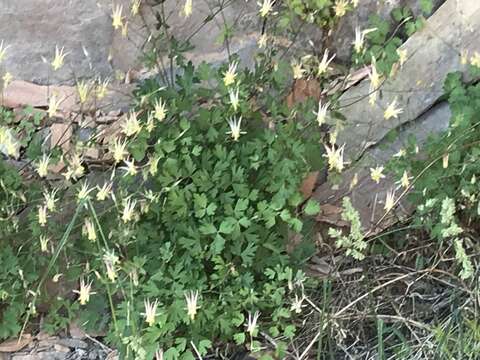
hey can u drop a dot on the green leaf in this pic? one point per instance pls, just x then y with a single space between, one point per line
289 331
217 245
312 207
426 6
227 226
239 338
203 346
208 229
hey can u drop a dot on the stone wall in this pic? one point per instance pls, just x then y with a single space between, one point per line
33 28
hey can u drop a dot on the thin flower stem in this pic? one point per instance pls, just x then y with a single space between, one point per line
102 235
53 260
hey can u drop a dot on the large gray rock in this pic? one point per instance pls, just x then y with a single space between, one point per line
33 28
367 196
433 53
345 31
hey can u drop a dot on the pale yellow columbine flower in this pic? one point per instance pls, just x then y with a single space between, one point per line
42 215
7 79
84 192
131 126
111 260
341 7
402 56
445 160
234 99
42 166
153 165
135 8
354 181
360 38
117 19
298 70
392 110
377 174
235 130
191 298
104 192
9 142
84 292
89 230
389 200
373 74
230 75
118 148
150 311
128 210
297 304
101 89
50 199
464 57
355 3
188 8
59 58
150 123
3 50
400 153
475 59
323 66
262 41
252 322
266 7
335 158
405 181
75 169
53 105
130 168
375 80
160 111
125 29
82 90
322 112
44 243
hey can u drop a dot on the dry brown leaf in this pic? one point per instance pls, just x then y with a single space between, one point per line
308 184
14 345
303 90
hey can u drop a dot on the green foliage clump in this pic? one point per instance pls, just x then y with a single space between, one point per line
446 183
353 241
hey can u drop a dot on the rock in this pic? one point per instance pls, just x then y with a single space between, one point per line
34 27
368 197
72 343
61 135
452 29
15 344
345 32
76 331
61 348
26 357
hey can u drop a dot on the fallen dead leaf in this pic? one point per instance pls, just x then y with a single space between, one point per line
308 184
15 344
303 90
